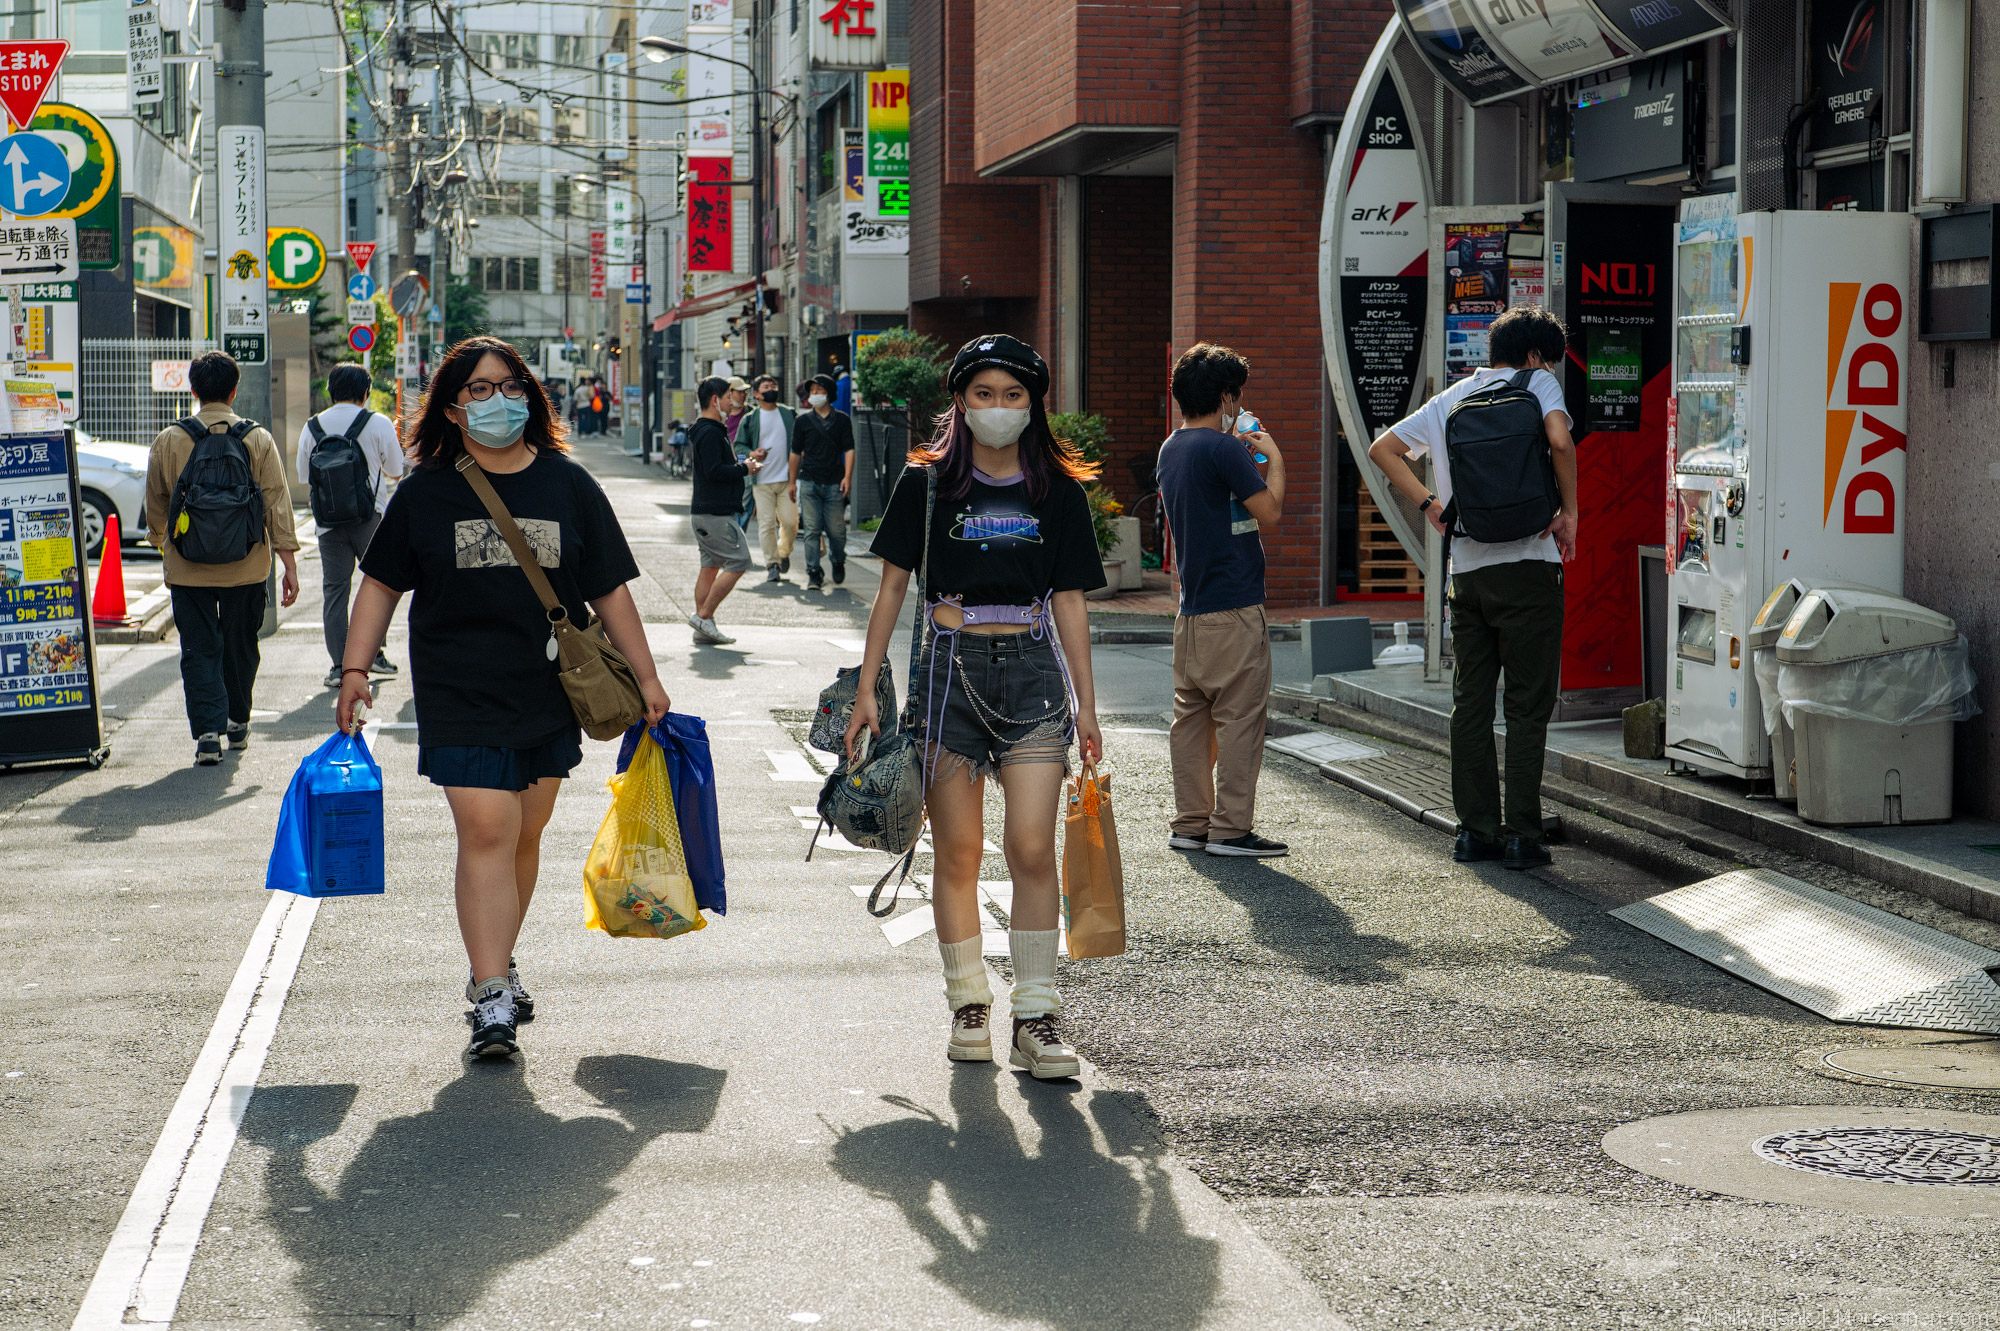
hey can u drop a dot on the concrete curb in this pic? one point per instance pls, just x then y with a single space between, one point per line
1709 825
151 620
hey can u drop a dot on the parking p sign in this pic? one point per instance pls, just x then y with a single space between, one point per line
296 258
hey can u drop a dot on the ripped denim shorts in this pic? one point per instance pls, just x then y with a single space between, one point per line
992 700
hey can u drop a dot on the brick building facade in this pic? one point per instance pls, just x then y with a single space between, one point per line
1114 181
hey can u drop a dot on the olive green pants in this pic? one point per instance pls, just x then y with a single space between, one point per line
1504 617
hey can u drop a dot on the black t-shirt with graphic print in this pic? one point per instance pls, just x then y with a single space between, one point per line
479 638
992 547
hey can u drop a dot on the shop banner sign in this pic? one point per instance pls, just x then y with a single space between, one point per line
889 124
1444 34
849 34
711 88
46 341
245 240
711 234
1383 264
43 661
617 91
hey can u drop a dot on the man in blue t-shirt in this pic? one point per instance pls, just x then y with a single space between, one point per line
1221 478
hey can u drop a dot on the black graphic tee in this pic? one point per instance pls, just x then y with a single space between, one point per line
992 547
479 638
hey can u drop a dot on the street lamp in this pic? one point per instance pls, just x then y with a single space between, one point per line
660 49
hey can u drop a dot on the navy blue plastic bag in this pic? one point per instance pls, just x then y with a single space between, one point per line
691 769
330 841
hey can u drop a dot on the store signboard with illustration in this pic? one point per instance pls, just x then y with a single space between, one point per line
874 211
48 694
46 341
1475 294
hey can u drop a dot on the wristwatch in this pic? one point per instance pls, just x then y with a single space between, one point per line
1428 501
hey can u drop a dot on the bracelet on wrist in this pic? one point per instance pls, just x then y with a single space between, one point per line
345 671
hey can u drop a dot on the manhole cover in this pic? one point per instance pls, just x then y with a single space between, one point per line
1971 1066
1888 1155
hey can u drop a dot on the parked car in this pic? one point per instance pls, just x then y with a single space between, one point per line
113 476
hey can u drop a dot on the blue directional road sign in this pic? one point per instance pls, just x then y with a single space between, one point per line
34 175
361 287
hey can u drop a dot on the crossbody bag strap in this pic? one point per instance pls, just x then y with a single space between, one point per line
920 621
524 554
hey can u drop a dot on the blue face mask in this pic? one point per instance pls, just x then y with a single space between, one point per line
497 421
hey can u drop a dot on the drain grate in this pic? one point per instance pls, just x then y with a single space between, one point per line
1316 746
1837 957
1888 1155
1409 785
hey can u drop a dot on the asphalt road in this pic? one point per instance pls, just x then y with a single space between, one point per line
1361 1086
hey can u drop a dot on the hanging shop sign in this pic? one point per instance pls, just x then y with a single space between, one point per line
1490 49
874 213
1849 44
1652 26
597 265
48 677
145 68
1634 126
1374 267
617 93
46 341
93 198
295 258
849 34
711 86
1443 32
163 260
889 124
1549 40
245 241
711 230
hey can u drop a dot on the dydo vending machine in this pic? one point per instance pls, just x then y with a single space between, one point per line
1786 447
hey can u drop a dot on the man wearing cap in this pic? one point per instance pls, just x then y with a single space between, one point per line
823 478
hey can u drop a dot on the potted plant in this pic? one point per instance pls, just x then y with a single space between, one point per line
1104 511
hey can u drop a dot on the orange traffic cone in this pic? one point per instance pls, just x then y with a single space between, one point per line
107 602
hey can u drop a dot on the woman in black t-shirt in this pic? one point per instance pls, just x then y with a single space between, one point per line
494 727
1012 551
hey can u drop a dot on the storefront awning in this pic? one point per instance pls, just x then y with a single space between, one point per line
706 303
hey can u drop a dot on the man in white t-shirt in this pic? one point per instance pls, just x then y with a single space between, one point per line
341 547
1506 599
777 511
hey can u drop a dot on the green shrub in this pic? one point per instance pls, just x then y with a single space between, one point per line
1104 513
901 375
1087 431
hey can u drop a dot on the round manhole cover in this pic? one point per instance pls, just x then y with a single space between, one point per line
1970 1066
1888 1155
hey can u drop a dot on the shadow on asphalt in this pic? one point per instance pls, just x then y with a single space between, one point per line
435 1206
1064 1235
182 795
1295 919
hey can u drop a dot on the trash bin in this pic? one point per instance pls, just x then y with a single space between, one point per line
1762 640
1871 685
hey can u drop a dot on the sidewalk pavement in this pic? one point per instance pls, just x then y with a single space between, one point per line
1947 863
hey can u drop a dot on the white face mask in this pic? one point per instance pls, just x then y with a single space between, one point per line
997 427
816 401
1228 422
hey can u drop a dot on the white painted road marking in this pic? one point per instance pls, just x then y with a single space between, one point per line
791 765
146 1263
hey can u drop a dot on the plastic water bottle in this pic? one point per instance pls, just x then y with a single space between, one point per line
1402 651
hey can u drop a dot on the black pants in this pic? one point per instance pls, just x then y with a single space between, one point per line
218 629
1504 617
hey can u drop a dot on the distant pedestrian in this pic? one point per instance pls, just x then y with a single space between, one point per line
823 479
735 405
599 406
718 497
218 555
843 389
1506 596
344 444
769 430
1011 554
494 727
1216 495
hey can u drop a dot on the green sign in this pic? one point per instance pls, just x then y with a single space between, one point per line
893 197
93 198
1611 380
296 258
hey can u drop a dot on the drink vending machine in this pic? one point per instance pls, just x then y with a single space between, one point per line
1785 447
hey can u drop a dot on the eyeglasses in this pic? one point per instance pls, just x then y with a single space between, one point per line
481 389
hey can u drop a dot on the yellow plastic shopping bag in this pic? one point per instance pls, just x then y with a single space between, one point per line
635 883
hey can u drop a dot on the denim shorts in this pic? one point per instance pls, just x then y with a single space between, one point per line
488 767
992 700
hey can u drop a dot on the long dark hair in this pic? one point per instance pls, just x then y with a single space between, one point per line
1043 456
435 442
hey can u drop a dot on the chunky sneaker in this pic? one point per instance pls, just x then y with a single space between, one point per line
815 579
239 734
383 665
524 1002
1248 844
493 1020
839 572
1041 1051
1187 841
715 635
332 680
207 749
971 1035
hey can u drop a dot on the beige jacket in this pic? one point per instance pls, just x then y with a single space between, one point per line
171 448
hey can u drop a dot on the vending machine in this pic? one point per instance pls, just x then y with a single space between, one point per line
1785 447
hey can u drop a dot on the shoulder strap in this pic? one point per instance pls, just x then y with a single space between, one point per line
318 430
1521 378
920 620
193 427
524 555
354 427
241 429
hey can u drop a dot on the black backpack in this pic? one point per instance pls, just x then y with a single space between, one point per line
217 512
1503 480
343 490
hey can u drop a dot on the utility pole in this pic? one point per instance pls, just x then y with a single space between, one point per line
239 103
401 182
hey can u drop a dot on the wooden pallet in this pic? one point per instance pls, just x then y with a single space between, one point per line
1384 567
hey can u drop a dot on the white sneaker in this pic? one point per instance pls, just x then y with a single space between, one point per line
493 1019
715 635
1041 1051
971 1035
700 631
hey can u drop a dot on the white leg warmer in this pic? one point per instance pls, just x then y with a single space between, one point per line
964 973
1034 953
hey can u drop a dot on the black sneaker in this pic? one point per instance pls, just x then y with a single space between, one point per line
332 680
1521 853
1248 844
839 572
774 575
383 665
815 579
524 1002
492 1018
1182 841
208 750
785 564
1469 849
239 734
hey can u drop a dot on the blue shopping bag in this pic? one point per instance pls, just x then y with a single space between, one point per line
691 769
330 841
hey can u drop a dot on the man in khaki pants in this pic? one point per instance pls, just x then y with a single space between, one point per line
1221 478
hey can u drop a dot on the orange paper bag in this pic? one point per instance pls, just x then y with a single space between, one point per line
1093 880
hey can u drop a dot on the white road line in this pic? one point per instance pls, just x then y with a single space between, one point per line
767 661
791 765
849 644
150 1250
910 924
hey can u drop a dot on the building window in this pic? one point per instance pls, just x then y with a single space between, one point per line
509 50
519 124
831 120
513 273
572 49
572 274
571 120
510 198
